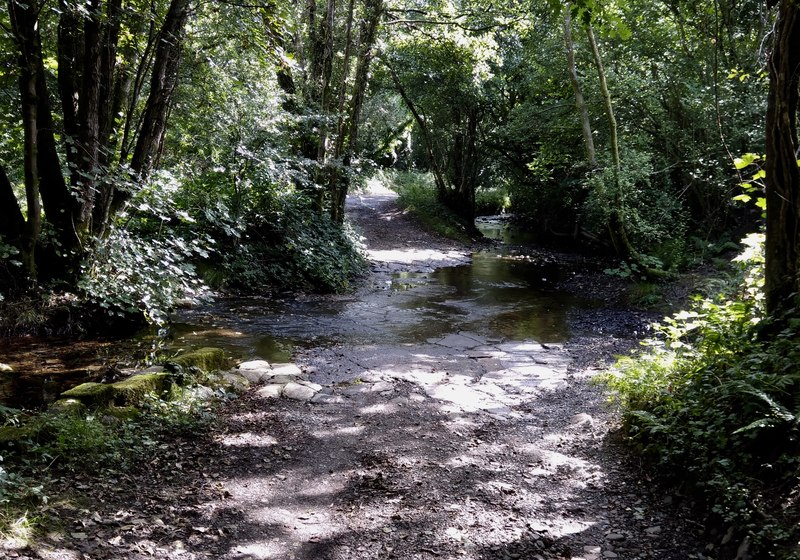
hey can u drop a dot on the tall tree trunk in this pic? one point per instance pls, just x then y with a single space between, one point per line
583 112
782 282
367 37
616 227
162 86
88 144
24 18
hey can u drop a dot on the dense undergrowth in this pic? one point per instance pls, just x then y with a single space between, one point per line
714 401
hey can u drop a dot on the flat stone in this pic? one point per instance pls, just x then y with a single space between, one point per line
254 365
281 379
609 554
252 375
357 389
272 391
382 386
654 530
615 537
287 369
322 398
298 392
317 388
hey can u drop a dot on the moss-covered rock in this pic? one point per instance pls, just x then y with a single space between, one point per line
205 359
68 407
93 395
132 391
10 435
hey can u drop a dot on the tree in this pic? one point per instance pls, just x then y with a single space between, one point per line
782 246
95 70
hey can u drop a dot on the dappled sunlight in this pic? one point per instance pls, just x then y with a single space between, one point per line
413 255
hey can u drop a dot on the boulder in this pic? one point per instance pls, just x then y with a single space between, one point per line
68 407
132 391
205 359
93 395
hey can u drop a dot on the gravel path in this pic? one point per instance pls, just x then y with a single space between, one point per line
464 446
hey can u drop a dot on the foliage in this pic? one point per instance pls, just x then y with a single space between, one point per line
63 445
295 247
145 266
712 397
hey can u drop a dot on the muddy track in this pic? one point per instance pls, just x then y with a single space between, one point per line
460 446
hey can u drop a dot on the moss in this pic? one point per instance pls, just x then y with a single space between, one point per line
68 407
132 391
10 435
94 395
205 359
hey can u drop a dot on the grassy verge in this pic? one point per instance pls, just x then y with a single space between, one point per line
417 194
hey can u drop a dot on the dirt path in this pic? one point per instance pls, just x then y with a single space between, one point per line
464 446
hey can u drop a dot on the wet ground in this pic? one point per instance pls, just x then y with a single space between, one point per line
458 421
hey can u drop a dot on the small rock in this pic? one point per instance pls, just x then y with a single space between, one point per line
298 392
235 381
581 420
323 398
272 391
615 537
654 530
609 554
5 367
200 393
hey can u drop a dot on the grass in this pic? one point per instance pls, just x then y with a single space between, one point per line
417 195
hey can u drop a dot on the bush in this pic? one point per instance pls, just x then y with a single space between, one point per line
296 247
716 406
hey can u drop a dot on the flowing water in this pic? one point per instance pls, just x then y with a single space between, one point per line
501 295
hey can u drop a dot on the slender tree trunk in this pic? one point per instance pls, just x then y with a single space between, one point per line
583 112
367 37
162 85
616 227
24 24
782 282
612 121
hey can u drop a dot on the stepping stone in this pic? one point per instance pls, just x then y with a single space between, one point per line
298 392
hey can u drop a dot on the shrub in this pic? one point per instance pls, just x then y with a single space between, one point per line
417 194
295 246
716 406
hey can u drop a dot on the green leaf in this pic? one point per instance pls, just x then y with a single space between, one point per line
743 198
761 202
745 160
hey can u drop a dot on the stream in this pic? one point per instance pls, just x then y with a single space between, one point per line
500 294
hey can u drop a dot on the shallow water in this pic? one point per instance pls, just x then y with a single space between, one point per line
500 295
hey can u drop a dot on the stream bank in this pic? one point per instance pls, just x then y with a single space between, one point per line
446 432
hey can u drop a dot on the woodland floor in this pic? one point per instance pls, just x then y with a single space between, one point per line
464 447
